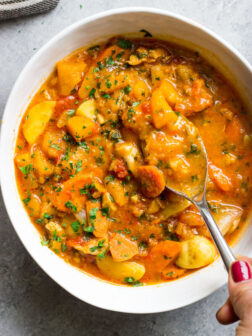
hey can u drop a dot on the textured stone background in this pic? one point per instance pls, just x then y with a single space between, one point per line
31 304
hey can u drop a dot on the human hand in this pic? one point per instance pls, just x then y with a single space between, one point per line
239 304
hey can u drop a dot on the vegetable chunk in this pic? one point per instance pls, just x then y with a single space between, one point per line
106 135
162 113
37 119
152 180
122 248
196 252
42 166
87 109
97 218
82 127
169 92
53 144
69 75
172 272
162 255
120 271
94 246
220 179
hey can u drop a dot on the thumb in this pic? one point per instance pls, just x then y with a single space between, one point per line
240 291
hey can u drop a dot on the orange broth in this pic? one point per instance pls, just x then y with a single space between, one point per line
100 139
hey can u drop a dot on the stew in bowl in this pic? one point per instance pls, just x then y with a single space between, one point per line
100 140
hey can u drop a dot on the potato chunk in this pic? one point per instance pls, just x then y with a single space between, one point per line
108 202
169 92
57 235
227 216
120 270
42 166
22 159
69 75
88 85
117 191
87 109
34 206
53 144
162 113
196 252
82 127
37 119
152 180
140 89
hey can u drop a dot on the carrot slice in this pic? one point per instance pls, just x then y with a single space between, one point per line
70 192
234 130
220 179
75 241
162 255
110 51
97 218
152 180
172 272
122 248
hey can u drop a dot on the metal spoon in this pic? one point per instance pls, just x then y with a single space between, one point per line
196 192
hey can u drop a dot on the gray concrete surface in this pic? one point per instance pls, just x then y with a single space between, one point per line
31 304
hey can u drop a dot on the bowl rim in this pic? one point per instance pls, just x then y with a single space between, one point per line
32 60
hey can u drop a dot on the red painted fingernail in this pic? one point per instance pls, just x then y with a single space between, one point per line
240 271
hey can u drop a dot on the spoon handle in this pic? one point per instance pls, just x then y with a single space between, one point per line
220 242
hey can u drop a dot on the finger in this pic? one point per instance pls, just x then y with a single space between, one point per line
226 315
240 289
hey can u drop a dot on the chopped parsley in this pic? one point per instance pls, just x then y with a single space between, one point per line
105 211
101 255
106 96
92 92
70 205
127 89
109 178
124 44
92 214
70 112
75 226
47 216
27 199
26 169
44 242
146 33
78 166
194 149
131 281
98 247
213 208
84 145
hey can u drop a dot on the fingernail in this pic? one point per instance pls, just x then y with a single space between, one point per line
240 271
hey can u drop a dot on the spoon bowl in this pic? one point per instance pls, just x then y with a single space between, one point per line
193 187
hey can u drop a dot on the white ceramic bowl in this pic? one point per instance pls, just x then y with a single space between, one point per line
147 299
